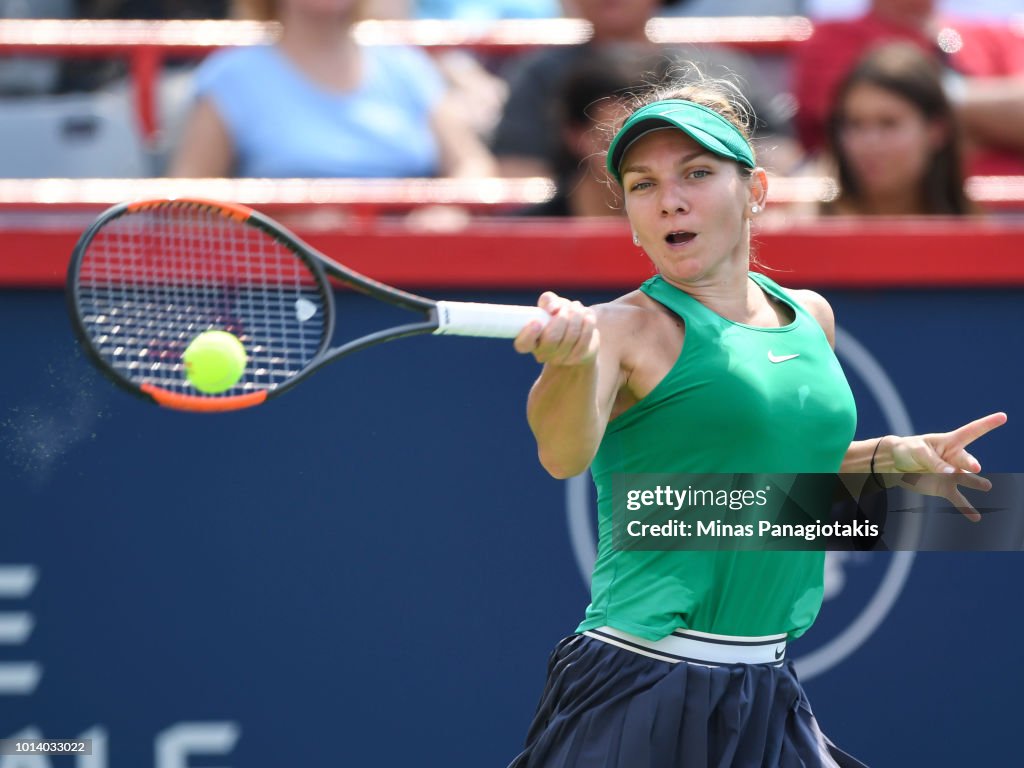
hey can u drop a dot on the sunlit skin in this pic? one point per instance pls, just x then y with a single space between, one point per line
888 144
671 184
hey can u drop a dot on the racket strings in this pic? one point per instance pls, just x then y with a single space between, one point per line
151 281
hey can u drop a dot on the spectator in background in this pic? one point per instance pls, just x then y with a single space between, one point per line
821 10
32 75
318 104
983 69
153 9
465 10
711 8
35 75
588 101
895 139
526 142
475 92
973 9
93 74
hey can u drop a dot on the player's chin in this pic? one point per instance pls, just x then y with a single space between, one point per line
684 269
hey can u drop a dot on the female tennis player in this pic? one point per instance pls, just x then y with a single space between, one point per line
708 367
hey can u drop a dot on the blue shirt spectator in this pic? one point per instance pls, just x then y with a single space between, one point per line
318 103
474 10
284 125
735 8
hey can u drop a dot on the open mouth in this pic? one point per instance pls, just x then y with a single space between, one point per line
679 238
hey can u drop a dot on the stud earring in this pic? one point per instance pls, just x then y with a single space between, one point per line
636 239
755 208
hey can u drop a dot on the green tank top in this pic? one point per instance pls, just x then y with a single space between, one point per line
723 407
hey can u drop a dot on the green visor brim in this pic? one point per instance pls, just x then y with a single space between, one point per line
703 125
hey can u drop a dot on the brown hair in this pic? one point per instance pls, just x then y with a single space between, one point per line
906 71
690 84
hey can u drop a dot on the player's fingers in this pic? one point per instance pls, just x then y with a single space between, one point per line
526 341
971 431
555 305
919 456
973 463
972 481
965 507
550 302
574 327
963 461
550 337
587 343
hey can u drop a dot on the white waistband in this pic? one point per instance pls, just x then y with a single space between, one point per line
698 647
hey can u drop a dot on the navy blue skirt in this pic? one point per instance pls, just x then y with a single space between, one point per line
606 707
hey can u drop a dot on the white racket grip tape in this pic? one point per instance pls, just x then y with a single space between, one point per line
493 321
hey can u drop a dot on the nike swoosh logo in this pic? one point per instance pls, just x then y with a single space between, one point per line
780 652
781 358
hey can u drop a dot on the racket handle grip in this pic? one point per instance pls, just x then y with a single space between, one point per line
493 321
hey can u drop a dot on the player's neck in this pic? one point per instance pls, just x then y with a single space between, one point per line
725 290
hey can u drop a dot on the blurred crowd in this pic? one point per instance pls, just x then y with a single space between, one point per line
898 101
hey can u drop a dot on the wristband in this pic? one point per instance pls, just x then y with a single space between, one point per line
873 455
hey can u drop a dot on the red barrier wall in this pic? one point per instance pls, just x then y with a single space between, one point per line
597 254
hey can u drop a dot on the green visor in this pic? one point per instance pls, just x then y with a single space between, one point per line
703 125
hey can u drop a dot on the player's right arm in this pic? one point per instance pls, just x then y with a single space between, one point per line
571 402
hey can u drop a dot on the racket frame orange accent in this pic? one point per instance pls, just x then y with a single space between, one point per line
234 211
180 402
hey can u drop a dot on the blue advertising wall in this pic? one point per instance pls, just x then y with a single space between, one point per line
372 570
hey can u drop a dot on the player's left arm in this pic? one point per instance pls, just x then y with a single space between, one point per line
939 453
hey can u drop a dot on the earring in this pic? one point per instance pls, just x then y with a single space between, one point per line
755 208
636 239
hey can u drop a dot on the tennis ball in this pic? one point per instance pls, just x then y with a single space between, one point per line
214 361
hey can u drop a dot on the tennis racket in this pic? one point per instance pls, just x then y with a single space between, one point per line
148 277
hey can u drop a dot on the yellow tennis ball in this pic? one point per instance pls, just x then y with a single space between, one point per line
214 361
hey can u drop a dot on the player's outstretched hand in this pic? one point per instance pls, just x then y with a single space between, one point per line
934 464
942 452
569 338
948 487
